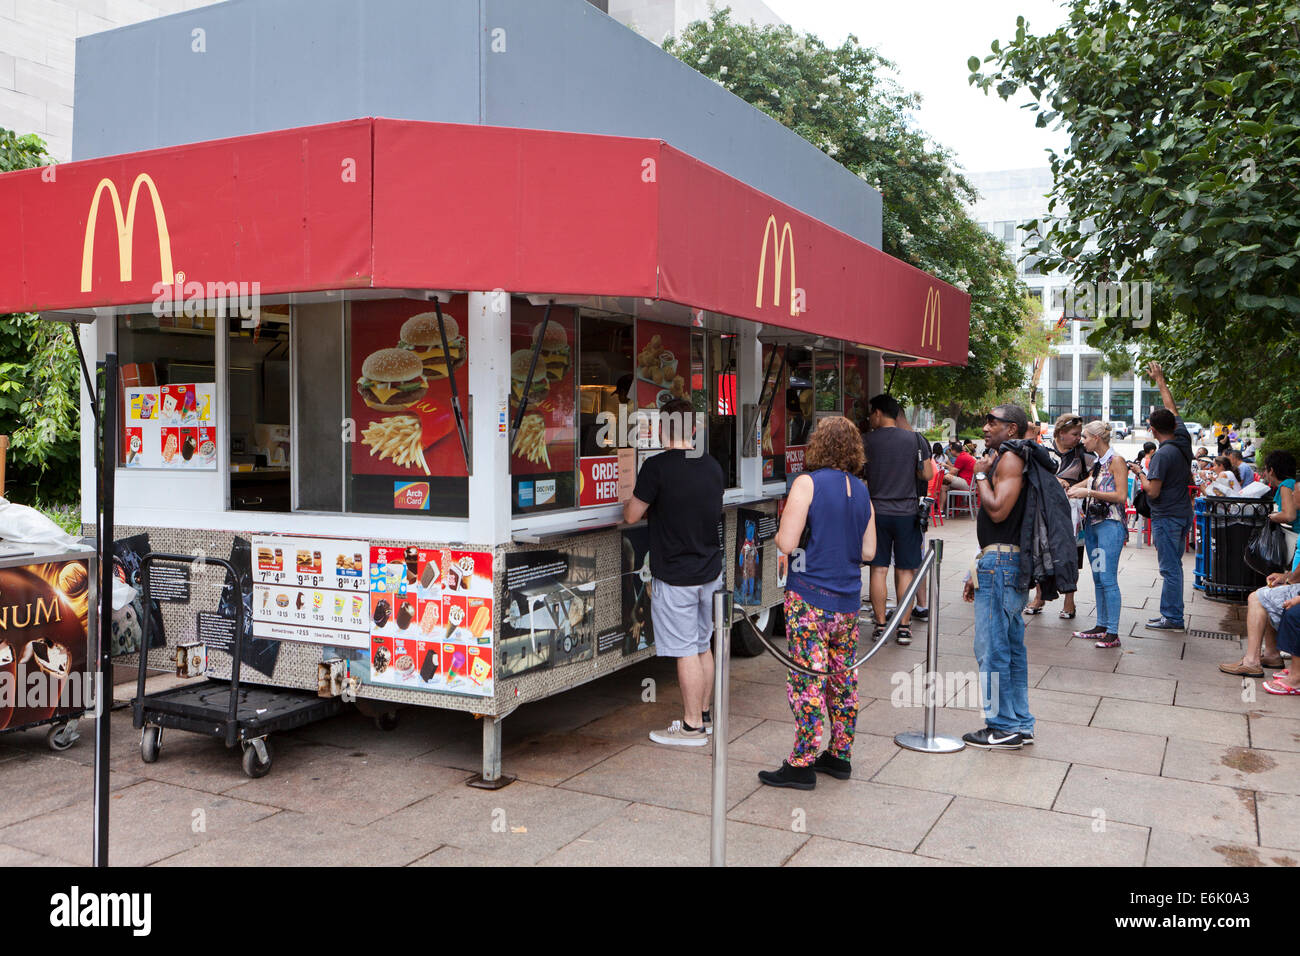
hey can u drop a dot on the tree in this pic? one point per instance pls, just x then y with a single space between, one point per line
39 403
845 102
1184 122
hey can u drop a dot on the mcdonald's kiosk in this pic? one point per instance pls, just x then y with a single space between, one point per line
413 434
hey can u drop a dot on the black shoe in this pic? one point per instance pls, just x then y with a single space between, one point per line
799 778
1164 624
1026 739
921 613
837 767
990 739
1155 620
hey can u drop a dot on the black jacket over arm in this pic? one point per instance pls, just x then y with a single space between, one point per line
1048 554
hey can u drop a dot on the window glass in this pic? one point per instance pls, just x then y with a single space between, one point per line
776 373
543 419
168 391
260 418
827 364
722 400
855 390
406 455
605 410
799 408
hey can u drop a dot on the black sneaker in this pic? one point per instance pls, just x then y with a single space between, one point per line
708 723
798 778
1164 624
990 739
921 613
1155 620
1026 739
837 767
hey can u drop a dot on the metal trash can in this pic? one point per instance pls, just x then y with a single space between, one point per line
1202 520
1231 522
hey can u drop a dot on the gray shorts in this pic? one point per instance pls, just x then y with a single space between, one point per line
683 617
1272 599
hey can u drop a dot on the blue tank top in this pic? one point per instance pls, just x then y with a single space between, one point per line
831 573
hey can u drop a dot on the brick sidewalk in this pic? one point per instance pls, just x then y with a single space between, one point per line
1145 754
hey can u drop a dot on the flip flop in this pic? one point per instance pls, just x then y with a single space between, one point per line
1030 609
1282 690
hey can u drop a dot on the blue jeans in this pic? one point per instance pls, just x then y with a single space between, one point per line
1000 643
1103 542
1170 537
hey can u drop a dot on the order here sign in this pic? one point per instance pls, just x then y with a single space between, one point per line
598 484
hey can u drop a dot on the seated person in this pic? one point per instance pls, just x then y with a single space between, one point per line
1245 472
1288 639
957 476
1220 479
1203 457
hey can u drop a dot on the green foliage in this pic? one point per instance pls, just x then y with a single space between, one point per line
66 516
1278 441
1184 122
845 101
39 404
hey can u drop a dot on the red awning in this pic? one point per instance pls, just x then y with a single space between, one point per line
379 203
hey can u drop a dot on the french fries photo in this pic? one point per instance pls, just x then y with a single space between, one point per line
397 438
530 442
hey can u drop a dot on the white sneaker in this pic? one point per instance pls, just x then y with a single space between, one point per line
678 736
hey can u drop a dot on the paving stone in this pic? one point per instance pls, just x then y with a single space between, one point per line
547 759
1003 776
1241 767
1274 733
823 851
679 778
770 743
1238 696
454 856
1144 800
148 821
308 840
1075 680
522 822
895 818
1062 707
1278 813
1166 721
643 835
985 833
1136 648
348 786
34 786
1097 747
1086 658
16 856
1171 668
1169 847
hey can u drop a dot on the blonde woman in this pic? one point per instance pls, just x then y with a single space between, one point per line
1104 495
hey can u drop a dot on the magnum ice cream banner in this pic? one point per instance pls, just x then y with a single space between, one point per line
44 615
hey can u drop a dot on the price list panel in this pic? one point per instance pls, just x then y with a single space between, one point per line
313 590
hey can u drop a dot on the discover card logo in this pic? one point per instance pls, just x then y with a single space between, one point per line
76 909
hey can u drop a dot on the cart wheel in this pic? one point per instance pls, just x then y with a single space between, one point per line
58 738
150 744
387 720
254 767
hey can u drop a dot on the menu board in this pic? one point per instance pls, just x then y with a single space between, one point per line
663 364
170 426
542 459
431 620
313 590
406 453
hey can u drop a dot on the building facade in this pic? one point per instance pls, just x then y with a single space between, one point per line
1071 380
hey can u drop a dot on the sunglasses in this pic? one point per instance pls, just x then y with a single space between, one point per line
990 418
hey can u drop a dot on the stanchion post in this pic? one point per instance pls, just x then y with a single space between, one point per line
928 741
721 706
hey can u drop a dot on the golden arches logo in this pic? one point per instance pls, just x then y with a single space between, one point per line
779 242
125 229
930 320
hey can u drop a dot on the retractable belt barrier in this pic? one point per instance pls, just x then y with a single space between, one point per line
925 741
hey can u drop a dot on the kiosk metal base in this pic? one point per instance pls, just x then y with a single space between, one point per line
915 740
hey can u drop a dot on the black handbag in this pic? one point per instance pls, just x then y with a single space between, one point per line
1268 552
1141 503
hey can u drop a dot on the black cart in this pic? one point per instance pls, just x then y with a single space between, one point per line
244 715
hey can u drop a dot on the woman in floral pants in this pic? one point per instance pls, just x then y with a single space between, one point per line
823 598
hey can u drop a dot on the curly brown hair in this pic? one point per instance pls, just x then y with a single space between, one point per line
835 443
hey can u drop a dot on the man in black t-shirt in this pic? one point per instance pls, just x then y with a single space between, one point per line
679 491
1169 472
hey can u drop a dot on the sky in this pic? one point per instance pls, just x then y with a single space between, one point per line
930 41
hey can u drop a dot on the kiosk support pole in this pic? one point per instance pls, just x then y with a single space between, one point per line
107 462
721 704
928 742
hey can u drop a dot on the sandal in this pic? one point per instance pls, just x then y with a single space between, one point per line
904 635
1030 609
1108 640
1283 690
880 629
1068 615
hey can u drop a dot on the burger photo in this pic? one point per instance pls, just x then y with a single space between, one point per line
419 335
555 350
392 380
541 386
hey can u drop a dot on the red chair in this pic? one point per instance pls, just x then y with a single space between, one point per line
935 487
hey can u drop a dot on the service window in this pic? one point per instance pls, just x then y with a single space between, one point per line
543 408
606 414
168 392
799 407
771 409
856 398
826 365
258 385
719 398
